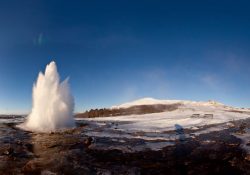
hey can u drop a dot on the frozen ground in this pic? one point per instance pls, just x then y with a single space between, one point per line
74 152
11 118
176 142
189 119
96 147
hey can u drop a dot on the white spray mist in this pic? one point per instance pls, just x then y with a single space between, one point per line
53 103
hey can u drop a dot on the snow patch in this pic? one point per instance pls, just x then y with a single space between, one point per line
152 101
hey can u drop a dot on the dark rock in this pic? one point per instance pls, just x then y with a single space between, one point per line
19 142
88 141
29 147
9 151
55 145
31 167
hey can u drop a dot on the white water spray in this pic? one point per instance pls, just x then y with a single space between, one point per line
53 103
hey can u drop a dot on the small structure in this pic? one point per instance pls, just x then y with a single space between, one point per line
207 116
210 116
195 116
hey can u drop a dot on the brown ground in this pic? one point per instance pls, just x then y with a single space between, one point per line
72 152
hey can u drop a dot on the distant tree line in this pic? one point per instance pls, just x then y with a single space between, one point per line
141 109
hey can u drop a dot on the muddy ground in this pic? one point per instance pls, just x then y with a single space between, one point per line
73 152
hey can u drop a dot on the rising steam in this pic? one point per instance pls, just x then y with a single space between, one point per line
53 103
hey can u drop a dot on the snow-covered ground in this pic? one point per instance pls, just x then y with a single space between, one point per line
165 121
156 125
14 119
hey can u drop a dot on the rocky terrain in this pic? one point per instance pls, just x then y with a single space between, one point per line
147 136
74 152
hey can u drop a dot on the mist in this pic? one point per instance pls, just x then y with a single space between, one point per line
53 104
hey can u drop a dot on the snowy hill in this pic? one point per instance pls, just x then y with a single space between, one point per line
151 105
152 101
188 114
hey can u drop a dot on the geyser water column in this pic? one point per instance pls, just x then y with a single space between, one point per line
53 103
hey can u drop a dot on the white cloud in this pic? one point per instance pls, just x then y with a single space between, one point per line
209 80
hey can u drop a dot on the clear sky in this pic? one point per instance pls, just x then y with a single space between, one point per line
121 50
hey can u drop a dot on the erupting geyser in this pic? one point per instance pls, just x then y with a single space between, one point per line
53 103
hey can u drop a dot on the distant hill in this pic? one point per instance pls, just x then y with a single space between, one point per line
152 101
147 106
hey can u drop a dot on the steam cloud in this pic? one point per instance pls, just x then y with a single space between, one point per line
53 103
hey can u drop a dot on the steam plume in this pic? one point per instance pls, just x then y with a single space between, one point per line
53 103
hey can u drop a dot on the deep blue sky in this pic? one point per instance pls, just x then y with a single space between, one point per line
116 51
